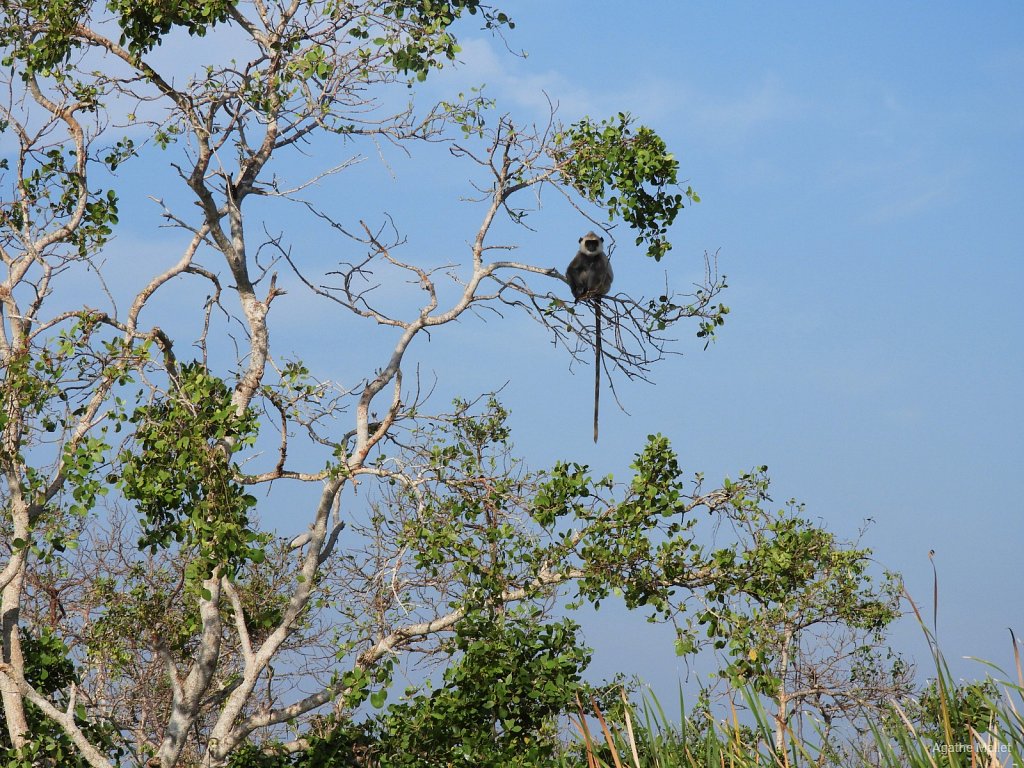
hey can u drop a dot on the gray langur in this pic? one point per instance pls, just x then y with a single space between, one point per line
590 277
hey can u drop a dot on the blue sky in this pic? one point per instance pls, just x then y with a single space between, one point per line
861 173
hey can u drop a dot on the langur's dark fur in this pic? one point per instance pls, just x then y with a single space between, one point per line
590 277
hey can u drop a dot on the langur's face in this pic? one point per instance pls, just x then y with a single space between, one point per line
591 242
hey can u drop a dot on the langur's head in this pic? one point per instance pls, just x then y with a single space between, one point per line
591 243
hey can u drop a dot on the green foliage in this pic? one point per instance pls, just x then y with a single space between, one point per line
636 548
953 723
795 577
34 389
424 42
50 191
662 312
145 22
333 744
38 33
137 609
969 706
627 171
148 606
182 479
50 670
468 111
465 527
992 734
496 704
779 576
514 676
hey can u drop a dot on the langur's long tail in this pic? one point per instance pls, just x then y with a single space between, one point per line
597 360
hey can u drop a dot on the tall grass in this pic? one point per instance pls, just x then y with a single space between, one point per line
985 730
646 738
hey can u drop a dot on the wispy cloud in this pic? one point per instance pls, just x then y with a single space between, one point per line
656 99
912 195
515 84
735 118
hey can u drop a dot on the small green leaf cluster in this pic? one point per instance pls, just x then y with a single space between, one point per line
38 33
948 712
51 191
81 464
709 325
663 312
424 42
262 599
295 391
144 22
466 528
140 599
28 388
181 476
121 151
44 391
468 112
36 381
628 172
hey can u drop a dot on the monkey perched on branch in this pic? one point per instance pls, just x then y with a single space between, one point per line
590 277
